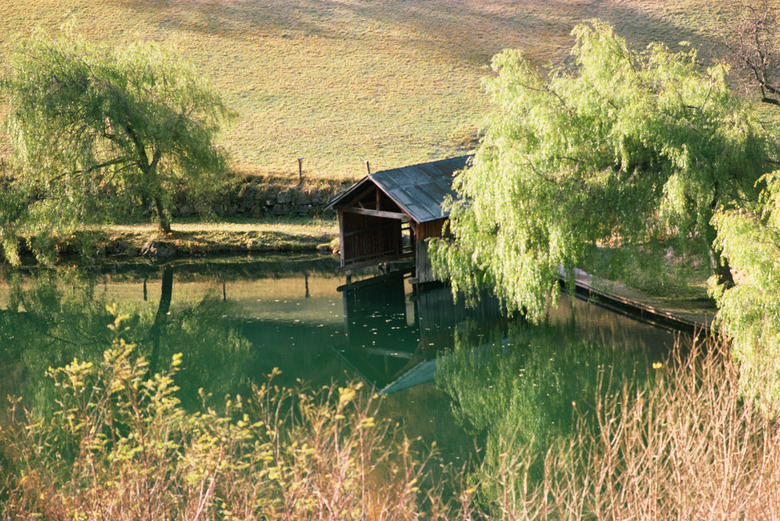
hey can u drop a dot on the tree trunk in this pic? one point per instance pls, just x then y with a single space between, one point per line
722 271
165 223
718 263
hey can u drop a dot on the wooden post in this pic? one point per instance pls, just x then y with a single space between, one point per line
342 243
300 169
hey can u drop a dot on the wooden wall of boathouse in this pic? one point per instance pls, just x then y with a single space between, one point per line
390 215
422 260
366 238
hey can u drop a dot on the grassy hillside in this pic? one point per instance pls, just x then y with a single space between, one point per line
341 81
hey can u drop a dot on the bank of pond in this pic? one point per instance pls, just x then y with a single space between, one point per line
474 381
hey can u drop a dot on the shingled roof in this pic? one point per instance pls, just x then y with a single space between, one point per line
419 190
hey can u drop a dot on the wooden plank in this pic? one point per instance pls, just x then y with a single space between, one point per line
367 191
378 213
349 194
373 262
341 237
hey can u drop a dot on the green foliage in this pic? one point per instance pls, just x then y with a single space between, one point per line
98 130
749 312
121 446
627 148
56 316
12 207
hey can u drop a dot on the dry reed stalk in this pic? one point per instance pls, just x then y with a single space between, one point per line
689 446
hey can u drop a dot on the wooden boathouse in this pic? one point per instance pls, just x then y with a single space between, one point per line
388 216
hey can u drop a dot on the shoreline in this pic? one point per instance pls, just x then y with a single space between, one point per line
190 239
653 310
193 239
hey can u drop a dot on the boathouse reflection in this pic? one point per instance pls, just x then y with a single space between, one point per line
393 332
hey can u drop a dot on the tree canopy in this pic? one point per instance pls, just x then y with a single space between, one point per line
749 312
97 128
625 148
749 236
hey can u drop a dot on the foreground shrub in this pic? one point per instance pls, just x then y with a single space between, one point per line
688 447
120 446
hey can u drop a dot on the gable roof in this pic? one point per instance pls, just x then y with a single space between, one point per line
419 190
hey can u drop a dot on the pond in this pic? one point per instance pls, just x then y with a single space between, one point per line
449 371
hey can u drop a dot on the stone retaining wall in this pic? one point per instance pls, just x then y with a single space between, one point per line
256 197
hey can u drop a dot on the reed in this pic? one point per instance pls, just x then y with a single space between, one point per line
688 447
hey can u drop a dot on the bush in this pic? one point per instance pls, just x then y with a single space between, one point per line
121 446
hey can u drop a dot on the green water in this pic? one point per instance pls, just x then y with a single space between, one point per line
235 319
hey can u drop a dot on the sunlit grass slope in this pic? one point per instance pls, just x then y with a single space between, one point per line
338 82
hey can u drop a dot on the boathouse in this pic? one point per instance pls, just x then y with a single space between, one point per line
388 216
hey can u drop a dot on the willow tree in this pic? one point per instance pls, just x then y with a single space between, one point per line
96 128
749 236
624 148
749 312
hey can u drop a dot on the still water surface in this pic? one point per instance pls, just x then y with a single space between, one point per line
235 319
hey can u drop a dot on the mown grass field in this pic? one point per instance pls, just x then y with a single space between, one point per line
338 82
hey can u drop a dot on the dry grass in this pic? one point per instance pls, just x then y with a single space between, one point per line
689 447
340 81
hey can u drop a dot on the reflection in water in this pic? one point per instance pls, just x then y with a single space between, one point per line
381 340
237 319
52 318
161 318
393 334
528 385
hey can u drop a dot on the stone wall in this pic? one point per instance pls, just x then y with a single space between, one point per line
258 197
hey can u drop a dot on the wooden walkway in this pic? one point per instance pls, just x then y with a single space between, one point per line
633 303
